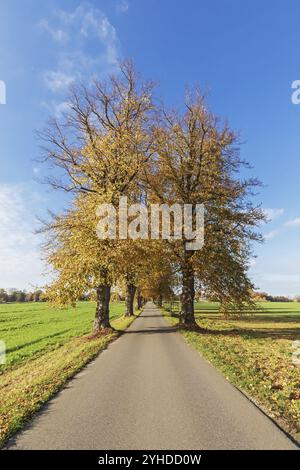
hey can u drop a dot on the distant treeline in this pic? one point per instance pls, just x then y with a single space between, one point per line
277 298
15 295
264 296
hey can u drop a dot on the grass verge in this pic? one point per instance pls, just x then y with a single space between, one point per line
254 354
24 389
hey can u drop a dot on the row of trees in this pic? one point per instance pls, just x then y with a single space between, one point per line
264 296
116 141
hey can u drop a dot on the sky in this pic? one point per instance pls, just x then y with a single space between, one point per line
245 57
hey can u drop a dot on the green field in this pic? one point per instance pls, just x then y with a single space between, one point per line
45 348
263 308
30 329
254 352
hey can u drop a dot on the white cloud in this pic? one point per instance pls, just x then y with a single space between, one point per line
252 263
91 23
61 108
293 222
20 261
273 214
56 34
58 108
271 234
91 51
57 81
122 6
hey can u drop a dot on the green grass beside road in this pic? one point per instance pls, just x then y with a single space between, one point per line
31 329
45 349
254 352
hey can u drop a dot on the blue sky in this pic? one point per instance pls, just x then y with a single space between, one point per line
243 54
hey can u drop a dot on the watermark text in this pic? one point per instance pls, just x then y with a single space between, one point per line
154 222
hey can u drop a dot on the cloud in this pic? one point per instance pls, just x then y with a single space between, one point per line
122 6
19 246
92 49
56 34
90 22
271 234
58 108
293 222
273 214
58 81
252 263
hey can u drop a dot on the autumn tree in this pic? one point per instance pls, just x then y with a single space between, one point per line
198 162
133 257
99 148
79 262
158 277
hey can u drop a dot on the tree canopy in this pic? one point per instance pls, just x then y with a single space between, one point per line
116 141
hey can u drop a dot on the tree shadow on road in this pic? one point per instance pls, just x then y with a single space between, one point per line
152 330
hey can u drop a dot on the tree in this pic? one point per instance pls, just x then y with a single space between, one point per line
158 277
20 296
136 261
37 295
80 260
3 296
198 163
260 296
12 296
29 297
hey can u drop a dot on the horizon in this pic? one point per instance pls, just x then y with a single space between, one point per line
248 80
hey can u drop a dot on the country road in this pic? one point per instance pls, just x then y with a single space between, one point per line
150 390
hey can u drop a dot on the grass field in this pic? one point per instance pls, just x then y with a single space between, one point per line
30 329
45 348
254 352
263 308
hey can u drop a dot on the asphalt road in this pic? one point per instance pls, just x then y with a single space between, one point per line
150 390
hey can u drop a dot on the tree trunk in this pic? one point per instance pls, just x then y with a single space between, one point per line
130 288
159 300
187 316
102 310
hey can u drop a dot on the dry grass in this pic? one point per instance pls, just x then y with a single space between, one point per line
254 353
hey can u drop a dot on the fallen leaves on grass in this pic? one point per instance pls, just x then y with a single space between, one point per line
255 356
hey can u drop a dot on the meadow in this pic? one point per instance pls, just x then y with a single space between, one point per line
254 352
277 309
30 329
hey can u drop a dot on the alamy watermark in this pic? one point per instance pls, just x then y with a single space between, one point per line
157 221
2 353
2 92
